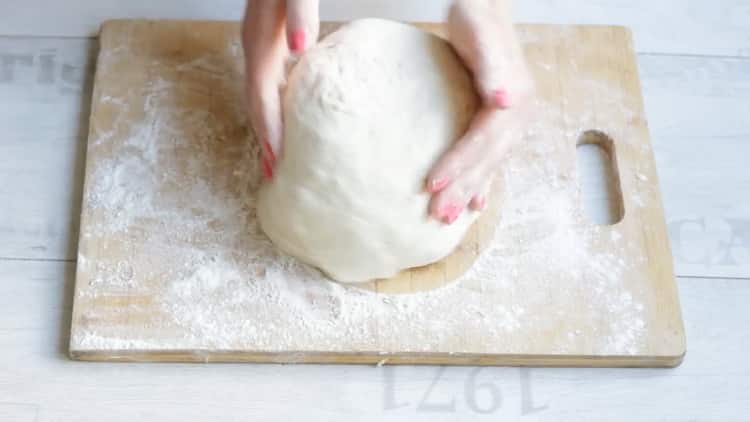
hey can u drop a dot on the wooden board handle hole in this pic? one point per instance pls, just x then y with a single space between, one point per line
599 178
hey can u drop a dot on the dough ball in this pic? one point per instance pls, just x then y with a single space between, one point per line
367 113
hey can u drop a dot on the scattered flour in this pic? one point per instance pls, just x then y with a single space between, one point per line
169 223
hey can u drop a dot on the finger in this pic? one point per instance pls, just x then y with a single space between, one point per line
265 117
485 40
303 24
483 140
264 42
479 200
499 73
450 203
263 26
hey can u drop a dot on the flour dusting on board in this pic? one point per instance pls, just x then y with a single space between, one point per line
169 227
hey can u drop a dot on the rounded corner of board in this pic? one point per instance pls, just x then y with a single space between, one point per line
75 355
676 360
109 25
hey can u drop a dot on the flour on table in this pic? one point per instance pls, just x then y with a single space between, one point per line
169 223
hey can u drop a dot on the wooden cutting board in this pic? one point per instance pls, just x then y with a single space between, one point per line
172 265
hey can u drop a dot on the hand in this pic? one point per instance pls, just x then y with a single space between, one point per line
271 30
482 33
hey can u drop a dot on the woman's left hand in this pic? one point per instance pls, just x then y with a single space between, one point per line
482 33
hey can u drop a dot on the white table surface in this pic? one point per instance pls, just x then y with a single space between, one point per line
694 59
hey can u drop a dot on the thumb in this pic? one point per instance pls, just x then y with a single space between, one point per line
302 24
485 39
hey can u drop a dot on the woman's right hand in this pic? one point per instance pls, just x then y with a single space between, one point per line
483 35
271 31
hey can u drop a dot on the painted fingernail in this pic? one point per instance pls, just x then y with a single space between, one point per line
478 203
298 40
451 213
267 169
501 98
269 152
437 185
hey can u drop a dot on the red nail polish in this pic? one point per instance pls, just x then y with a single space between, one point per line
501 98
452 219
269 152
438 185
298 40
267 169
451 213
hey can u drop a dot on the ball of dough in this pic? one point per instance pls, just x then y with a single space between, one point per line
367 113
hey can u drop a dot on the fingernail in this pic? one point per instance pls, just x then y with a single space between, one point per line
451 213
267 169
298 40
438 185
269 152
481 203
501 97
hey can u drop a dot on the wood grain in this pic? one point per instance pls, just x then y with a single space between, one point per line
41 161
666 26
686 114
710 233
35 306
626 282
697 107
